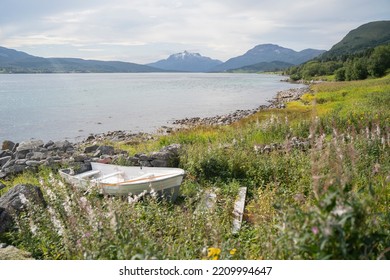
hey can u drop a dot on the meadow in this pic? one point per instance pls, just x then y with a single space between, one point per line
318 179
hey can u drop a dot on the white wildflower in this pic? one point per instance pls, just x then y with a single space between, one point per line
341 210
33 227
55 221
51 195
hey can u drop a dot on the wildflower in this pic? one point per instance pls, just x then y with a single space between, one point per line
341 210
233 251
315 230
213 253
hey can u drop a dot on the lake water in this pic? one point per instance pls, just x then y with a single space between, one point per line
71 106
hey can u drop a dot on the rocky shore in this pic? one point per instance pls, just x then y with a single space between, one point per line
279 102
29 155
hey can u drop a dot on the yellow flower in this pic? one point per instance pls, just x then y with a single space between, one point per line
213 253
233 251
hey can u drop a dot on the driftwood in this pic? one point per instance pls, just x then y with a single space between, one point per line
238 211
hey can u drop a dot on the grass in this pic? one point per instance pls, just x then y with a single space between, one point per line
328 202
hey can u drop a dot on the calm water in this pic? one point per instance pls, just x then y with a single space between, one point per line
71 106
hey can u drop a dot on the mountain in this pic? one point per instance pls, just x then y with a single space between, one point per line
364 37
12 61
268 53
263 67
186 62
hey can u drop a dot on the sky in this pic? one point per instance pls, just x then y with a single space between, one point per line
144 31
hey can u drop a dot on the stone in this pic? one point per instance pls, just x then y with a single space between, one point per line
6 154
21 154
80 157
97 153
36 156
267 149
14 202
20 161
145 163
48 144
8 164
2 186
4 160
106 150
29 145
13 253
63 145
8 145
91 149
33 163
159 163
142 157
14 169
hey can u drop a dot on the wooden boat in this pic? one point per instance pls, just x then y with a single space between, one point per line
128 180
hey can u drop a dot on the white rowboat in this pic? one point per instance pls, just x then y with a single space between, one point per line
128 180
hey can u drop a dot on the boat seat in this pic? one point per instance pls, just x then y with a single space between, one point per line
87 174
145 176
109 178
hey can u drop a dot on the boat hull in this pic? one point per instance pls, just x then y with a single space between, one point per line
124 180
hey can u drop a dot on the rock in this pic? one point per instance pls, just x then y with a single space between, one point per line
49 144
166 157
13 253
97 153
8 145
21 154
14 202
33 163
63 146
80 157
145 163
36 156
4 160
8 164
29 145
106 150
91 149
267 149
20 161
2 186
14 169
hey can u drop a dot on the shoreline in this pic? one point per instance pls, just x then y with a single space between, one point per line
278 102
30 154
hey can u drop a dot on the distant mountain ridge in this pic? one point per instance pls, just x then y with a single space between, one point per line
12 61
186 62
263 67
364 37
268 53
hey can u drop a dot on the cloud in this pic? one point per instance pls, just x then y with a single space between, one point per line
146 30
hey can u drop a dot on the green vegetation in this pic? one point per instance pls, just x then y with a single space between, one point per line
362 53
370 63
329 201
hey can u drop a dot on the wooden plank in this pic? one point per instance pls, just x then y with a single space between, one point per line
238 212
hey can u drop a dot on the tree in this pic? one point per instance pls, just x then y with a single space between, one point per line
379 61
356 69
340 74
